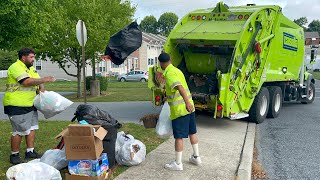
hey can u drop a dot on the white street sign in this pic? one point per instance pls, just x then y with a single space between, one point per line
78 32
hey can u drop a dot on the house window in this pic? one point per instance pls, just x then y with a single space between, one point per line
102 66
136 62
150 61
38 64
114 65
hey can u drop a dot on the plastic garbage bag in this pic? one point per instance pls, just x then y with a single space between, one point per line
123 43
122 138
129 151
93 115
50 103
33 171
55 158
164 125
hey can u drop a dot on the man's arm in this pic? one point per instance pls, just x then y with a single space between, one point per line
183 93
37 81
41 88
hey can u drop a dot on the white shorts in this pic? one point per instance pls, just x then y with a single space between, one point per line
24 123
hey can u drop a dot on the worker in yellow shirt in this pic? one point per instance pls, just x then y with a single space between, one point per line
182 112
22 85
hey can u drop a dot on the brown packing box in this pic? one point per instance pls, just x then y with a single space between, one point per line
76 177
81 142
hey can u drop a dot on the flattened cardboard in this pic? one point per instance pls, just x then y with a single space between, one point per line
76 177
101 133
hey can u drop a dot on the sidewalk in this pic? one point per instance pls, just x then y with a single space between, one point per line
220 144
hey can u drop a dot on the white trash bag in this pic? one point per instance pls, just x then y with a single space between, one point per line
33 171
164 125
55 158
129 151
50 103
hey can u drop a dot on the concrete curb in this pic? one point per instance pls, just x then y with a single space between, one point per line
244 172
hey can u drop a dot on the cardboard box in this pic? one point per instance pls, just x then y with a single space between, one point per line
89 167
83 141
76 177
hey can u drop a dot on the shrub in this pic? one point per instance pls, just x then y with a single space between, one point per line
103 82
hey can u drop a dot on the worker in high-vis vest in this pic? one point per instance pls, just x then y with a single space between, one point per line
182 112
23 83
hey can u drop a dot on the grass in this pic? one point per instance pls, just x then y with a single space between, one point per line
116 92
46 140
316 75
120 91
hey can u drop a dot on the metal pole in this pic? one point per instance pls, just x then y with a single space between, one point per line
83 65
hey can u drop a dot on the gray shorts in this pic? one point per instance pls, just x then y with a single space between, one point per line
24 123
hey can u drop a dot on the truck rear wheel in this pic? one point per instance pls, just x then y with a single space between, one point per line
259 108
275 103
310 98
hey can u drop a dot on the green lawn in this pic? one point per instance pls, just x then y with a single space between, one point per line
316 75
121 91
49 129
116 92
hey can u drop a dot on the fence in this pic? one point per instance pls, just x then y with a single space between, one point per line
3 73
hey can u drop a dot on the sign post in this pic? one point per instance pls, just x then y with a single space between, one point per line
81 32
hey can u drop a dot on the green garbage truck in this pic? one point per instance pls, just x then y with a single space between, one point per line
239 61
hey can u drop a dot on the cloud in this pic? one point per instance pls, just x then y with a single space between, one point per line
293 9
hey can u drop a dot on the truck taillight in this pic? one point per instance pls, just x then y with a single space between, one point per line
158 98
240 17
258 48
219 108
193 17
246 16
198 17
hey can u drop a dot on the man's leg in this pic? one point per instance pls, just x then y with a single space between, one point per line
30 139
15 143
194 142
15 139
194 158
179 149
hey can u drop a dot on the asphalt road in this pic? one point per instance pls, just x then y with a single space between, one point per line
288 146
122 111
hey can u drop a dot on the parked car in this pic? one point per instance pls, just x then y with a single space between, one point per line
134 76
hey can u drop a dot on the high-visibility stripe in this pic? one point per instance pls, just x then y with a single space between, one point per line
22 77
177 94
178 102
175 84
17 88
12 85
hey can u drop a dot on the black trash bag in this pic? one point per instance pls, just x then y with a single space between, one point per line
93 115
123 43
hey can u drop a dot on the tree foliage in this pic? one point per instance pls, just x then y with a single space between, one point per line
7 58
49 27
166 23
301 22
314 26
149 25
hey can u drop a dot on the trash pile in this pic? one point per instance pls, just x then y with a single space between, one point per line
89 148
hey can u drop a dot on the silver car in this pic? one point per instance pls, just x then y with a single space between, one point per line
134 76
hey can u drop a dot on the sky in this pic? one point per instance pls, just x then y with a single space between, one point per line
293 9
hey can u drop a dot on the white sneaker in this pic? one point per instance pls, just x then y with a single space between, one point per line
173 166
196 161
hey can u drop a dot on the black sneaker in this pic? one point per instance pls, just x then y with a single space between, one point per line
15 159
32 155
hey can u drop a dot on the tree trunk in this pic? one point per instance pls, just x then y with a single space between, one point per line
79 78
93 61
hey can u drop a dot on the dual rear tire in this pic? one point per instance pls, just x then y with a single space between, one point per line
267 103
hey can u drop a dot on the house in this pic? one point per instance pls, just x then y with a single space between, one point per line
312 39
143 58
48 68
